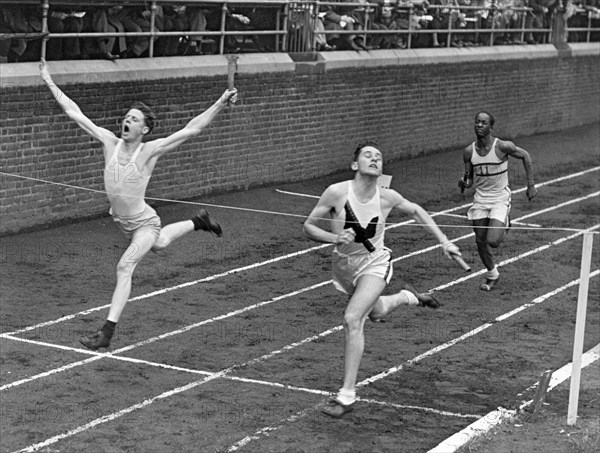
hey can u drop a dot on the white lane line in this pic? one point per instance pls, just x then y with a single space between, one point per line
147 402
297 194
269 429
166 290
239 379
471 333
419 408
224 372
516 258
264 263
153 339
96 356
260 304
284 296
558 206
531 225
494 418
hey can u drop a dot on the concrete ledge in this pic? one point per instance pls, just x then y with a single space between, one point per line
335 60
585 49
99 71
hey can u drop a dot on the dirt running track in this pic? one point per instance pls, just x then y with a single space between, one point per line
239 351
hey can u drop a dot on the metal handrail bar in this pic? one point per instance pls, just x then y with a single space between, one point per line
282 34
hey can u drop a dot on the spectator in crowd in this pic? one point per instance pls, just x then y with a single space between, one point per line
234 21
306 21
262 18
346 18
168 20
446 15
193 18
537 18
134 19
576 16
365 19
321 41
28 19
593 9
507 18
388 17
72 21
102 20
6 26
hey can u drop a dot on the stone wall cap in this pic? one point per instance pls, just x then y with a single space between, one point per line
101 71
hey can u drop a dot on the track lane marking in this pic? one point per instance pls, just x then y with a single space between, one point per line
271 261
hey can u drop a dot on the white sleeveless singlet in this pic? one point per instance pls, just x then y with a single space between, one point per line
124 184
490 176
370 226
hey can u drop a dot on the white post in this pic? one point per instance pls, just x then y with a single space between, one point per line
584 280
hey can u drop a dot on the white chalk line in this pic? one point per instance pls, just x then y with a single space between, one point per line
266 431
472 332
531 225
240 379
494 418
305 195
104 355
263 263
515 258
145 403
418 408
284 296
153 339
260 304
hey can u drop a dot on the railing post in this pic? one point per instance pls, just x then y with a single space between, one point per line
278 38
493 17
153 10
523 21
559 28
409 39
449 37
366 33
314 12
45 8
589 26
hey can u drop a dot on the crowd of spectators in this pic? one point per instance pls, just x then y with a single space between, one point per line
455 23
128 19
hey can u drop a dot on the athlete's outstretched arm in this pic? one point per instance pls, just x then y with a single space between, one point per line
72 109
195 126
421 216
510 149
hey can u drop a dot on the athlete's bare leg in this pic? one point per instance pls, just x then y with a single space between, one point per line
489 233
142 241
406 297
481 234
367 291
171 232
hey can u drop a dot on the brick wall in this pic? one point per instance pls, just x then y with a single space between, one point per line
293 121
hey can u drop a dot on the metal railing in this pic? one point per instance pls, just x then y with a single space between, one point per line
295 23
